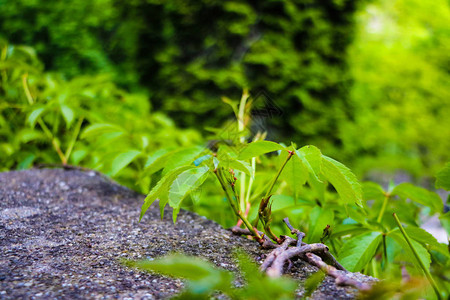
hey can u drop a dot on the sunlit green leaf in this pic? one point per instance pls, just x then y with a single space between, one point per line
185 183
343 180
420 195
443 178
258 148
421 251
97 129
161 187
359 250
34 115
183 156
295 174
68 114
372 191
122 160
180 266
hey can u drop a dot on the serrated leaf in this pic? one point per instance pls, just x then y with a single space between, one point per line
343 180
240 165
179 157
34 115
421 235
443 178
185 183
68 114
97 129
162 186
359 250
311 158
420 195
295 174
258 148
122 160
372 191
421 251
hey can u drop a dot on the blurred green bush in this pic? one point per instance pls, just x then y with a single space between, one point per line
377 101
400 64
86 121
190 53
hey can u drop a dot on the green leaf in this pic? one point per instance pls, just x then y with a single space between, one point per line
34 115
154 156
259 285
343 180
295 174
180 266
182 156
313 282
348 229
185 183
229 163
161 187
258 148
203 278
68 114
359 250
421 251
97 129
122 160
420 195
319 218
372 191
443 178
421 235
311 157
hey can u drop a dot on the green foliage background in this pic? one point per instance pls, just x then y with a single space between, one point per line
365 80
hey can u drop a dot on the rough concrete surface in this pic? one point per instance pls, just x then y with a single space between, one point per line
63 233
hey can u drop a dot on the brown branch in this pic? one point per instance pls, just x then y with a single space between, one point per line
300 235
265 241
278 251
316 254
341 278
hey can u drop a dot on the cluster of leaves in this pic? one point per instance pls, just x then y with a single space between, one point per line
187 60
323 197
86 121
297 51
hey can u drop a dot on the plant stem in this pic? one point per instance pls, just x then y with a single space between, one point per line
234 206
422 265
383 207
250 183
264 208
291 153
384 252
74 138
241 127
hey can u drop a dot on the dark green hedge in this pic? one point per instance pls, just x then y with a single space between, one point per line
189 53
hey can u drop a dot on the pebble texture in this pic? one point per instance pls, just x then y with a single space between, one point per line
63 233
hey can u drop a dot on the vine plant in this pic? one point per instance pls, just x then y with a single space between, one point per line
366 236
181 176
